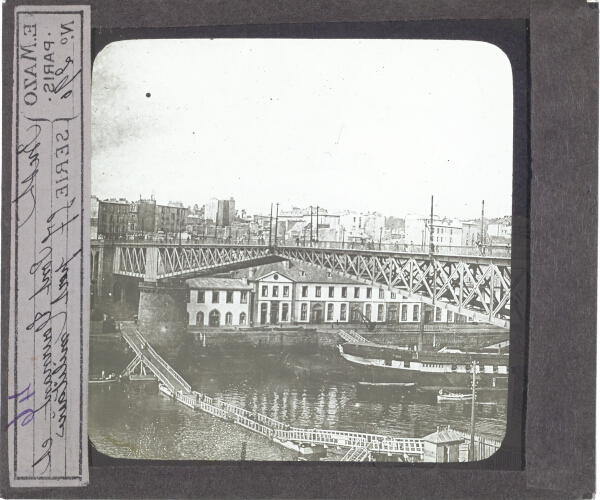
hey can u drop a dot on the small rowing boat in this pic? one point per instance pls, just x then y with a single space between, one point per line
142 378
110 379
165 390
391 387
452 396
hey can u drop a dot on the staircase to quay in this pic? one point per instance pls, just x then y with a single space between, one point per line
360 444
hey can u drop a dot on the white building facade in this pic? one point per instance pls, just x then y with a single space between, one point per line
446 232
215 302
362 226
298 294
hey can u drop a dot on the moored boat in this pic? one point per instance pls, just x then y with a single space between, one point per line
165 390
142 378
453 396
444 369
387 387
110 379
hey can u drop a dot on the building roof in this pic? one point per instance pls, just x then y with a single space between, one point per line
298 272
120 201
445 436
218 284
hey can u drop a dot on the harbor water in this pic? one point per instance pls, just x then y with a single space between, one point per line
132 420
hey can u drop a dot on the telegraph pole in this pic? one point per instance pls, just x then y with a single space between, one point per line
482 219
431 246
472 447
179 228
311 226
421 327
270 224
276 223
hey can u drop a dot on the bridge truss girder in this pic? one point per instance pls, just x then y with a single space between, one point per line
474 286
479 287
155 263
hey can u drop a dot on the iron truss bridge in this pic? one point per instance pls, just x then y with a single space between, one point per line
475 286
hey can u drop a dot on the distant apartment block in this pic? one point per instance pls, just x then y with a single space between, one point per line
220 212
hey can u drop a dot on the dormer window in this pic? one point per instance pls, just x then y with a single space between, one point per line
329 274
302 273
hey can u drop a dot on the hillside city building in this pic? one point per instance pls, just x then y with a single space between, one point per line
218 221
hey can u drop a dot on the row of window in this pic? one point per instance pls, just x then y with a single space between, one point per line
331 292
215 316
104 218
114 208
201 297
105 228
466 368
275 292
285 309
392 312
444 230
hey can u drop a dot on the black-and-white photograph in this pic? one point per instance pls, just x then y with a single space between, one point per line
300 249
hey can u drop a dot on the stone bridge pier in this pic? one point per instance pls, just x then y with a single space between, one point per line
162 314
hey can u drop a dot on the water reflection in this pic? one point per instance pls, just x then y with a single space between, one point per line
132 420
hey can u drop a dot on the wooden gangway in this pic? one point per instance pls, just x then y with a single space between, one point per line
283 433
257 422
150 358
357 454
352 336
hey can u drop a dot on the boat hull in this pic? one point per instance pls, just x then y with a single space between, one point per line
142 378
102 381
165 390
406 370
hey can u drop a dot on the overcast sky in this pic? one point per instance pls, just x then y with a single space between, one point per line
372 125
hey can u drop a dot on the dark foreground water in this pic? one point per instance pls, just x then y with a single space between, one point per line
132 420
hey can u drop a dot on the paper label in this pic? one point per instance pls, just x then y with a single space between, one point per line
49 323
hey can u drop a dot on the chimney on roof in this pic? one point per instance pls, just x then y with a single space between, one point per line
286 264
251 272
245 280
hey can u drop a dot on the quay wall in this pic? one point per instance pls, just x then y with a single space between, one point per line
327 338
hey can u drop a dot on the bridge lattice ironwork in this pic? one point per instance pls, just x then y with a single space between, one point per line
475 286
